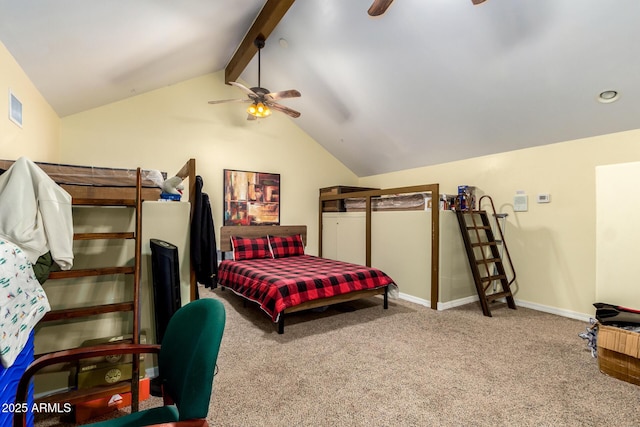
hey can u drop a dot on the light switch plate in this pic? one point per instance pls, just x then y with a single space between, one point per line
520 203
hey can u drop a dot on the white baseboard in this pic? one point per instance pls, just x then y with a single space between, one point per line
456 303
441 305
468 300
414 300
555 310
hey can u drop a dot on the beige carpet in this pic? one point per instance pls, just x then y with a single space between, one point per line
359 365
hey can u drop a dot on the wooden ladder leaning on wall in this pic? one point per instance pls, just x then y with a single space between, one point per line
132 306
485 259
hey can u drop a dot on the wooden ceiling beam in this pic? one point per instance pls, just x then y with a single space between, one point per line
265 23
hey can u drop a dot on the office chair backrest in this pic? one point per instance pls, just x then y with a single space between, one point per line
188 355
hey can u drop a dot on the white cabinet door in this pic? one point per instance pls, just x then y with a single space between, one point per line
343 237
329 236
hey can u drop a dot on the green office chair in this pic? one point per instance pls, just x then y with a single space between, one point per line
186 364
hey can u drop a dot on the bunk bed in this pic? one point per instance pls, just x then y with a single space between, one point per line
269 267
369 200
391 202
110 187
397 233
105 185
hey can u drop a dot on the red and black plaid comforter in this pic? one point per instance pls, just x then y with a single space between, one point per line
277 284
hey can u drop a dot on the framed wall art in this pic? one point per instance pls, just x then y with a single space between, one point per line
251 198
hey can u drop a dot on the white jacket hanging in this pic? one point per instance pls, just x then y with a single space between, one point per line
35 213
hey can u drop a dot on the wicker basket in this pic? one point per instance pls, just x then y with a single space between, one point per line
619 353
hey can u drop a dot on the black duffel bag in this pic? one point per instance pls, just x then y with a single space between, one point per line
609 314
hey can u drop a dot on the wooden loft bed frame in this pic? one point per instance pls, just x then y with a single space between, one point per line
114 184
188 171
434 189
89 186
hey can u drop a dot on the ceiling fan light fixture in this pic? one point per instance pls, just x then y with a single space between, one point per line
261 99
259 110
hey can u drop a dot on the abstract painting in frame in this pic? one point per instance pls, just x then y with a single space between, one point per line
251 198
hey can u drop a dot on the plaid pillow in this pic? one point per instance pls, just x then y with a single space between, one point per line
286 246
244 248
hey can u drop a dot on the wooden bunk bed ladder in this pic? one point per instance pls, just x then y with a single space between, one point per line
485 259
132 306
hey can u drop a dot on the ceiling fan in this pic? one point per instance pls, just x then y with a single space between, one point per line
262 101
380 6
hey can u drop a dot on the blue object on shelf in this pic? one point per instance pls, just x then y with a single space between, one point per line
169 196
9 378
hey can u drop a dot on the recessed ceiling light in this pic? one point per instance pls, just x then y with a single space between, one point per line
608 96
283 43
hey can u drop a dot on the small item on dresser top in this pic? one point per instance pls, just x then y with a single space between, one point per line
466 197
172 189
173 185
167 197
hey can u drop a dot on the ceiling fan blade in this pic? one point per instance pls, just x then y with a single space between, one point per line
292 93
229 100
476 2
283 109
379 7
243 88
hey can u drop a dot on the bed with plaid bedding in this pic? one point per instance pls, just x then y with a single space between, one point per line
281 283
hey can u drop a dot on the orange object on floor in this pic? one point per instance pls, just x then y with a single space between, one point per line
97 407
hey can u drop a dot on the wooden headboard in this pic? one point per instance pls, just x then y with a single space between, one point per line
253 231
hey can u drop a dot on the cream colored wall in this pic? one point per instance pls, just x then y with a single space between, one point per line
164 128
154 226
401 247
38 138
617 234
553 245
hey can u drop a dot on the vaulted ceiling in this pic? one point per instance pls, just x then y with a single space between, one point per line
428 82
